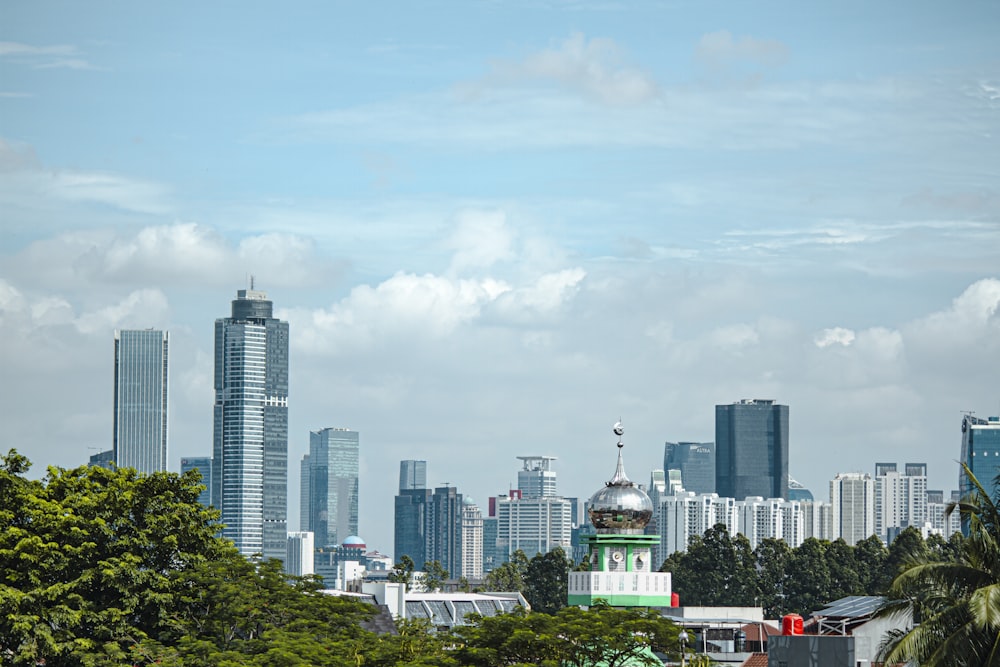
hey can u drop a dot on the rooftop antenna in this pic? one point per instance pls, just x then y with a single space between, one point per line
251 282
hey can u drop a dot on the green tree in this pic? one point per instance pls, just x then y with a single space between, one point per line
86 558
434 575
870 555
546 581
957 603
510 575
810 584
908 545
571 637
774 569
402 572
843 566
716 570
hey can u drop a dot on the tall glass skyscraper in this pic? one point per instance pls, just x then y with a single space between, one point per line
412 475
981 452
695 460
203 465
140 401
330 473
250 444
751 449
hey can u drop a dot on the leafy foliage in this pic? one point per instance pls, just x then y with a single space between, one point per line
719 570
545 581
957 602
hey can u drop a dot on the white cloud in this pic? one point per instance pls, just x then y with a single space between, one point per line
136 310
593 67
834 336
480 240
185 253
44 57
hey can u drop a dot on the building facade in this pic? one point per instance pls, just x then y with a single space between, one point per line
412 475
980 452
536 478
900 498
817 519
250 441
203 465
330 472
140 399
299 554
682 515
775 518
852 497
696 463
472 540
751 449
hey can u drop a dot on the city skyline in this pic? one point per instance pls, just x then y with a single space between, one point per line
500 232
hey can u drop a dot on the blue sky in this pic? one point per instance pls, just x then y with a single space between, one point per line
495 227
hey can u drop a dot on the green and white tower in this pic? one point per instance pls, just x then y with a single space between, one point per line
622 571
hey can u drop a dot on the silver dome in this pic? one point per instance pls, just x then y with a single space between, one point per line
620 507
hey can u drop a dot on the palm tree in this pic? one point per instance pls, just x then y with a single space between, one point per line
957 602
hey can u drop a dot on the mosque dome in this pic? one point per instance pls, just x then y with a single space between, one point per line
620 507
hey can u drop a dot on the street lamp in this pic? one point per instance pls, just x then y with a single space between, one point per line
683 639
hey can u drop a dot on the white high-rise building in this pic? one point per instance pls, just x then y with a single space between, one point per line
536 479
299 554
937 522
852 496
686 514
817 520
472 540
775 518
533 525
900 498
140 400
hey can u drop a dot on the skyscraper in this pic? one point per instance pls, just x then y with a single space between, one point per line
751 449
444 530
412 475
203 465
411 507
536 479
695 460
981 452
852 496
140 400
299 554
900 498
472 540
250 444
331 471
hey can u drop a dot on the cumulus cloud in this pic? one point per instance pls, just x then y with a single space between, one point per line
135 310
834 336
185 253
592 67
480 240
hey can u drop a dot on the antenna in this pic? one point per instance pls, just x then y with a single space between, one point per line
251 282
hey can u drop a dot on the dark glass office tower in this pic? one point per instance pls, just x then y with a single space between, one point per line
412 474
751 449
695 460
203 465
250 448
332 485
